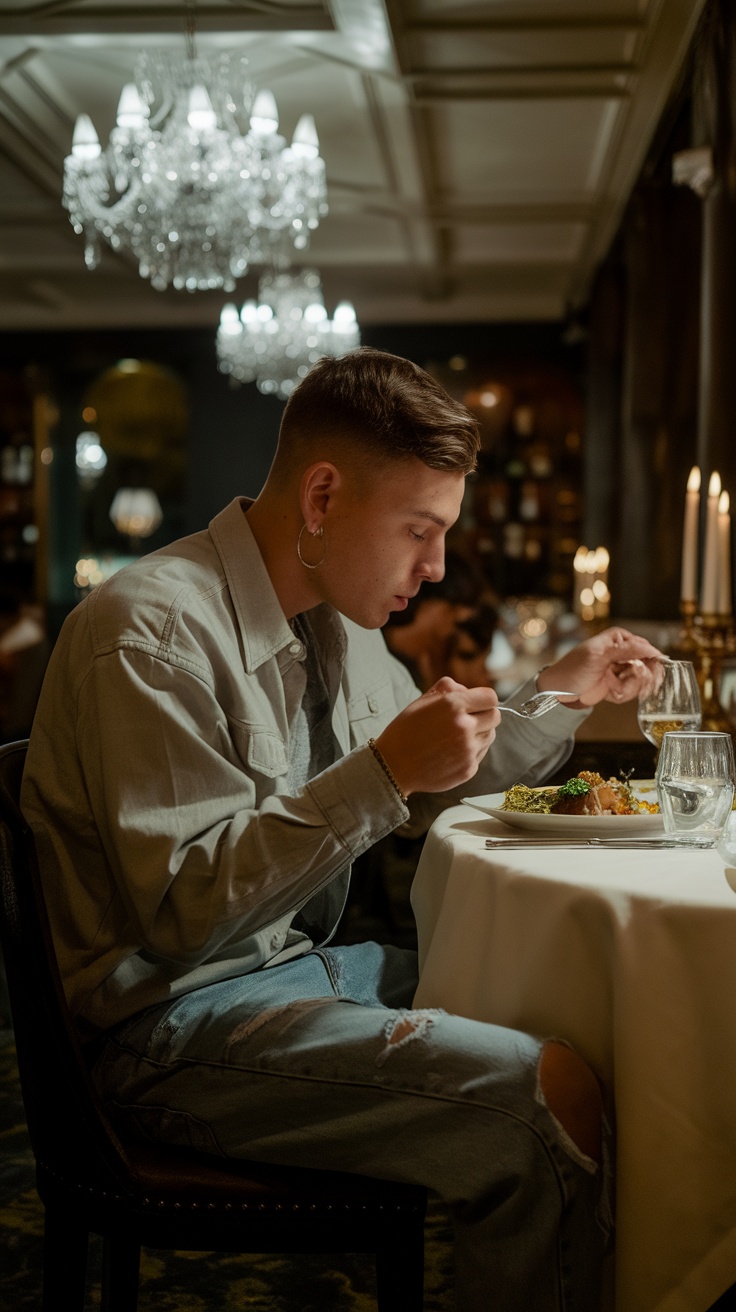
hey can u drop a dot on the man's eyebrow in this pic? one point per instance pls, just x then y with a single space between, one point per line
427 514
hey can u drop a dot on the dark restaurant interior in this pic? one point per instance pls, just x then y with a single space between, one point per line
534 201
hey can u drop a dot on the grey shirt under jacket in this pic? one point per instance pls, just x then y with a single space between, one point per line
157 781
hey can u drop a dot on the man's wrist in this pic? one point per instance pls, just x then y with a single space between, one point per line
387 769
539 686
544 682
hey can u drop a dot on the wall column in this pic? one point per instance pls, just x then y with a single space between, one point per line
714 103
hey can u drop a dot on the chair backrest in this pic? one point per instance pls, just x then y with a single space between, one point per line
70 1133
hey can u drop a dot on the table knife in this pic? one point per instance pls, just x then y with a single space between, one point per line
500 843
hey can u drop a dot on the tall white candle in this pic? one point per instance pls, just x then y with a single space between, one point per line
580 577
689 576
600 583
709 589
724 555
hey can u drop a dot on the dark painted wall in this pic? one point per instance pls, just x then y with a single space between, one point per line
233 431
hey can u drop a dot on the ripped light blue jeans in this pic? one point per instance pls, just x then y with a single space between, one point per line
321 1062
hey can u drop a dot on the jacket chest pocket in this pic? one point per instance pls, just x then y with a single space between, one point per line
369 712
260 750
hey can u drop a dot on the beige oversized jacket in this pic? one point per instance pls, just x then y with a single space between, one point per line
171 855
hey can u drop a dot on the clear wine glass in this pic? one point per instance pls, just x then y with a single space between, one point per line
670 702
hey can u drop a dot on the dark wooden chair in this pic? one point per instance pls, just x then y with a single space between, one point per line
136 1193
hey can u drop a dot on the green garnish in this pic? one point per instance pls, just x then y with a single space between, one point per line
573 788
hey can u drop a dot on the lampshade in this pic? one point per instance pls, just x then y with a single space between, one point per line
136 511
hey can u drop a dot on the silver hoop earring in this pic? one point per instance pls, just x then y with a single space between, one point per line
319 534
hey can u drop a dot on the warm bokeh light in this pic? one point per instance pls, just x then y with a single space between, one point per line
88 573
534 627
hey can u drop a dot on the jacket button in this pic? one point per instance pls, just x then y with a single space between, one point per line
372 704
295 648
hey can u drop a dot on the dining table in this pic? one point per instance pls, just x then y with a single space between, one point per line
628 954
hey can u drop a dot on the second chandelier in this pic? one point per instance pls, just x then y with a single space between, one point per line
275 343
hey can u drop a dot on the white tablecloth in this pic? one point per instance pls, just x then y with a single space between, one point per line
631 956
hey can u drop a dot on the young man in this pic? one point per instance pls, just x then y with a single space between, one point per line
220 733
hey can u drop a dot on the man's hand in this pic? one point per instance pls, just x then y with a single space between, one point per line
614 666
440 739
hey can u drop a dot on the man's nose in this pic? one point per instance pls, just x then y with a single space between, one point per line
433 564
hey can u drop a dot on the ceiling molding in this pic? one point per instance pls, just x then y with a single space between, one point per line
26 150
526 26
431 95
522 70
128 20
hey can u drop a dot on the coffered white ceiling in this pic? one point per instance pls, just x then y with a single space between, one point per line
479 152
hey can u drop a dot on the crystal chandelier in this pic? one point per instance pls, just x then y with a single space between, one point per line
276 342
184 185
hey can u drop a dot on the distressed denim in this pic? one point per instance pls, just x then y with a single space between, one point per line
321 1062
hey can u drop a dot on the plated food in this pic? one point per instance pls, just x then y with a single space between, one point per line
586 793
543 809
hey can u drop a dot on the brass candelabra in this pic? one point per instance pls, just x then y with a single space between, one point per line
706 640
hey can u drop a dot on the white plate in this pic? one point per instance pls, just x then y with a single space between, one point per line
593 826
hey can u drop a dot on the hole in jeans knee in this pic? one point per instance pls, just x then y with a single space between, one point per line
403 1028
569 1090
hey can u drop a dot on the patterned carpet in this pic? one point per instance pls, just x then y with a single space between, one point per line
188 1282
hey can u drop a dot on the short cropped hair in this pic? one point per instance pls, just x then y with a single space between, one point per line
383 406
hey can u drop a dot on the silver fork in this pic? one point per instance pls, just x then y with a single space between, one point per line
538 705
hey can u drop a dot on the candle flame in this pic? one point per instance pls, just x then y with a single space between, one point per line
693 481
724 502
714 486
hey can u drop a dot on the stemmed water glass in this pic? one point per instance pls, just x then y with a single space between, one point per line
670 702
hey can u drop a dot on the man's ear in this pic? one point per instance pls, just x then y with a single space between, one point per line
320 484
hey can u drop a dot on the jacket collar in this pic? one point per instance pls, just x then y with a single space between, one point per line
264 628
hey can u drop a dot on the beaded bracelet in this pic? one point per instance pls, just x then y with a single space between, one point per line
386 768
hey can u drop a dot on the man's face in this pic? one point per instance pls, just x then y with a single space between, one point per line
385 539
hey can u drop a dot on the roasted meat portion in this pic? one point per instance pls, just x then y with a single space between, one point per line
590 794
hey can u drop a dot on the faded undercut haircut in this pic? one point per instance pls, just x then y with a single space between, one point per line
382 407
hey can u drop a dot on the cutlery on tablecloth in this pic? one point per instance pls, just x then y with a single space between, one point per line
503 843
